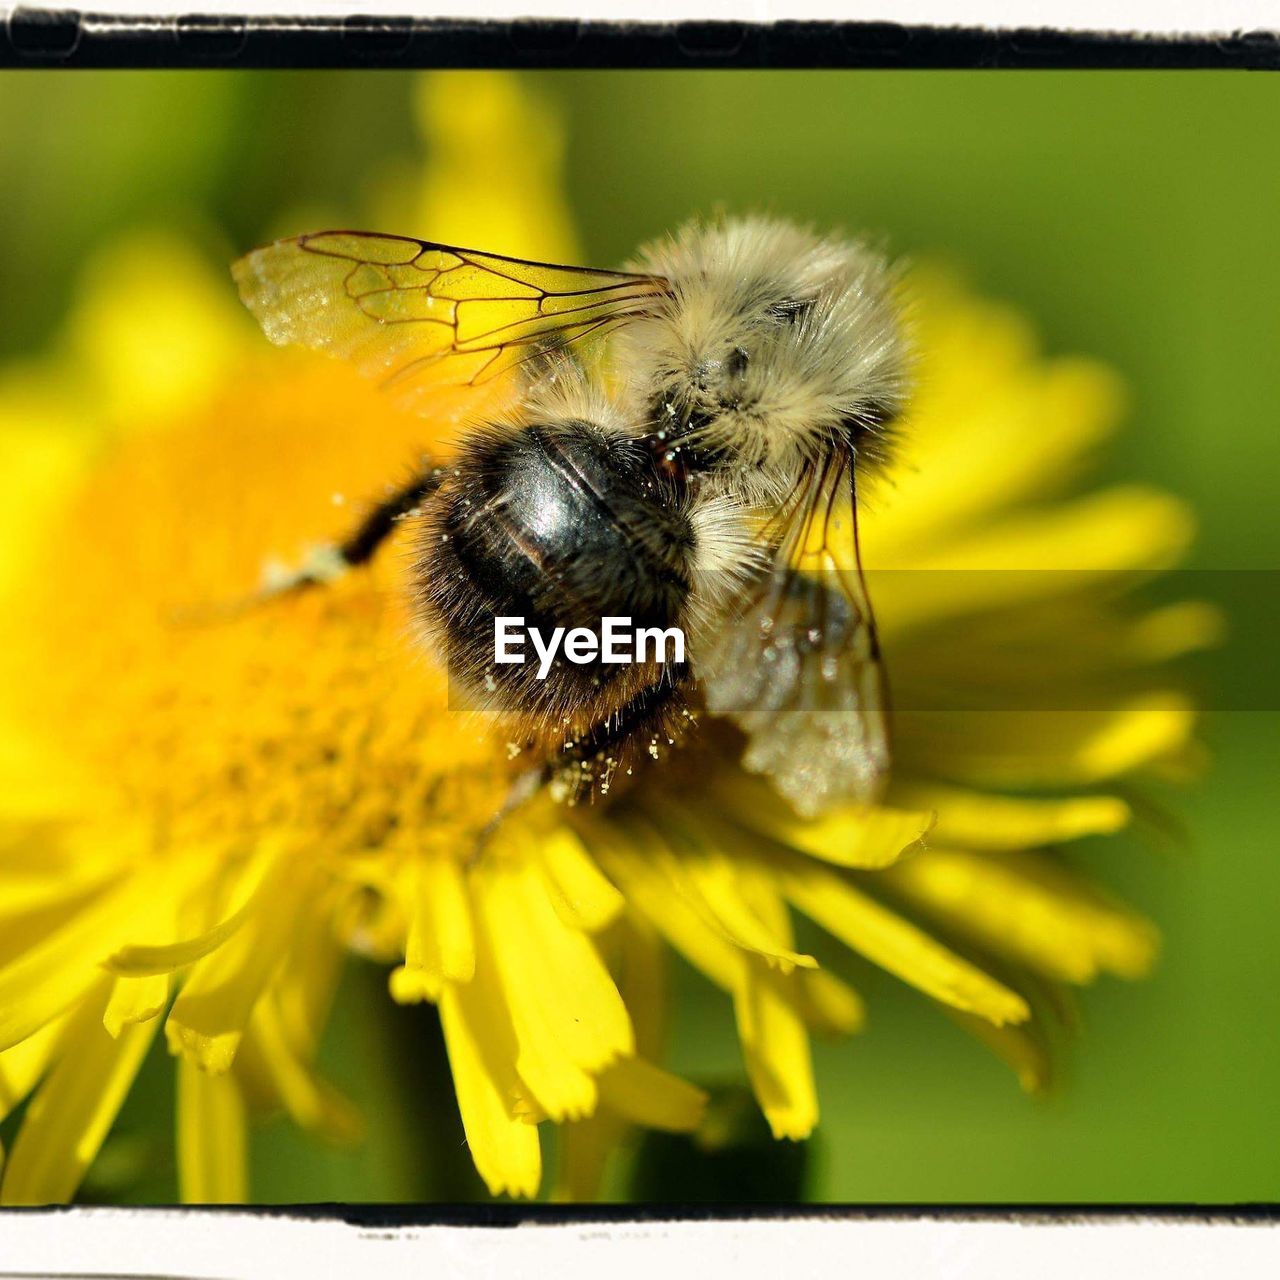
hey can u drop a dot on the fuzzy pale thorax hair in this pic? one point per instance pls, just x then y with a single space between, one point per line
775 345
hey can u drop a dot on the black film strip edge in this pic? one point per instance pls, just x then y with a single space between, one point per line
69 38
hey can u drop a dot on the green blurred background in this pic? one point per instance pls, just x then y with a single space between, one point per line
1135 217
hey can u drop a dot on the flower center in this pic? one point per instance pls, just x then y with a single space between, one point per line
317 717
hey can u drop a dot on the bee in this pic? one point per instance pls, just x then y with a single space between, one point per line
681 443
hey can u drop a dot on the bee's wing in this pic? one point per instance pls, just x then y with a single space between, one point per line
798 667
416 315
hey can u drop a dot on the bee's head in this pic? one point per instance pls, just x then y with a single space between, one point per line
773 345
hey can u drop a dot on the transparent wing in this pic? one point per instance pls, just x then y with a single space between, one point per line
415 315
798 668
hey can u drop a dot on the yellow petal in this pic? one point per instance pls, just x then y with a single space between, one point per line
639 965
1026 907
1144 730
977 820
714 886
690 850
637 959
135 1000
1032 435
440 945
868 837
1022 1048
75 1106
278 1072
771 1027
899 946
1033 748
1030 558
37 783
62 968
1069 651
580 893
35 884
141 960
413 986
1035 418
828 1005
585 1149
482 1052
304 991
510 140
569 1019
775 1047
24 1064
1111 531
41 458
1175 630
626 857
259 885
213 1163
170 346
649 1096
209 1016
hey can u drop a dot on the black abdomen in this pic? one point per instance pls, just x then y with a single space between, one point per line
561 524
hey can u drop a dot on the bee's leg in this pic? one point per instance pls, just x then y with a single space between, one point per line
329 561
363 542
524 788
646 714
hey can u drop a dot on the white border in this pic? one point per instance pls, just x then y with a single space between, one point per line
235 1246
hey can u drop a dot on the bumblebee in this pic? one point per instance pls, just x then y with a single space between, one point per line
681 444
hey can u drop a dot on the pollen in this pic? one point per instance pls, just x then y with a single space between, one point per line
225 719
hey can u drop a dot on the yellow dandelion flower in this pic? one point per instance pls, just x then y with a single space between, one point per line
199 817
